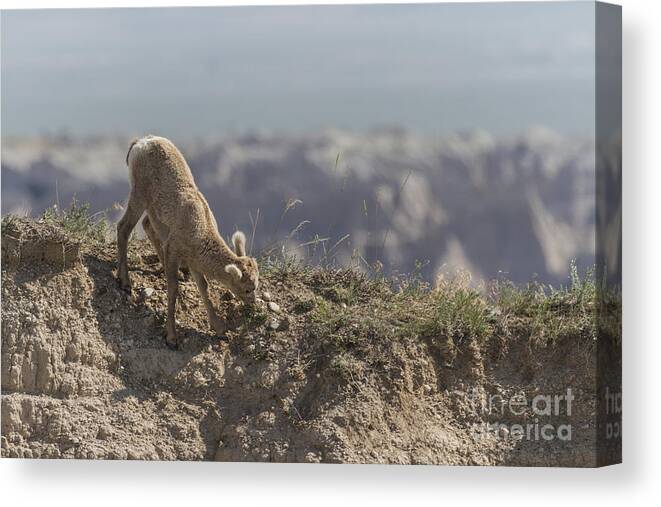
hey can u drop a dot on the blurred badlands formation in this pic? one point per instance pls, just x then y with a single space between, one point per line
521 206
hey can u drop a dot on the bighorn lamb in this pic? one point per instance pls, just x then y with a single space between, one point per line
182 229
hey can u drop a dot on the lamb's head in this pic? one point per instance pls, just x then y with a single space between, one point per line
244 272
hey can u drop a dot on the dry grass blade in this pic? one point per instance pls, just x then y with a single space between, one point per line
254 229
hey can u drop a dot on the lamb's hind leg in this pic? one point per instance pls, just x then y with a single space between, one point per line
155 231
153 237
134 210
171 265
216 323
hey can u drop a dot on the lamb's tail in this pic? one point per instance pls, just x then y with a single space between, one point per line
135 140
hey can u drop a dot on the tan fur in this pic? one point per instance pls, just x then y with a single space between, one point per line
131 145
182 229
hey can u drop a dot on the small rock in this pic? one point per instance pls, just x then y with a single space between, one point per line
427 388
266 296
274 324
311 457
133 454
274 307
343 305
147 292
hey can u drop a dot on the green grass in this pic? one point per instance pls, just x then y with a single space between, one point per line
254 316
552 314
456 312
304 305
453 317
280 267
78 222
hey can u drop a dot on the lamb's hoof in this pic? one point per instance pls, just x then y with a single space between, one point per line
171 345
125 287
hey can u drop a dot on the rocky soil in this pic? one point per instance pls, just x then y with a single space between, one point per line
329 368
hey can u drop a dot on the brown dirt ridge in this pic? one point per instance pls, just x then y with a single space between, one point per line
332 366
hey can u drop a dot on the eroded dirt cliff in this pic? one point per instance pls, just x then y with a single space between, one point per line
339 368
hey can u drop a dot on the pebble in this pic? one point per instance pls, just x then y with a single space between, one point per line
274 307
266 296
147 292
312 458
274 324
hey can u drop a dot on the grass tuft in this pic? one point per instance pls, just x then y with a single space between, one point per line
551 314
78 222
9 224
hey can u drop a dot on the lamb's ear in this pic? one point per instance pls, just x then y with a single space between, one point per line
239 242
234 270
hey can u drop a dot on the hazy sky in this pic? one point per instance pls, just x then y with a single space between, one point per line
178 71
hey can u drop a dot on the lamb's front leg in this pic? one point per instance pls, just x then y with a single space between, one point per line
171 273
216 322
